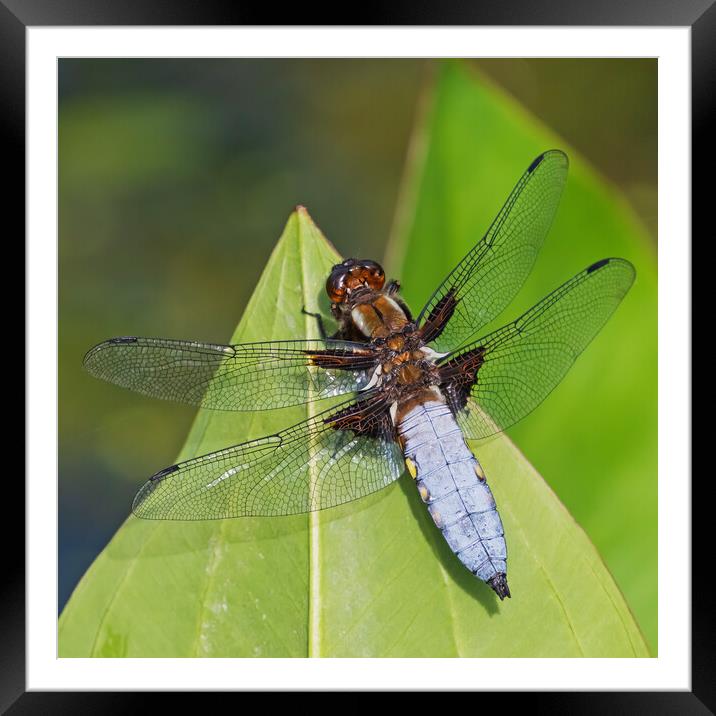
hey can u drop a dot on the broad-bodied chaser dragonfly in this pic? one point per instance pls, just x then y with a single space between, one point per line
419 386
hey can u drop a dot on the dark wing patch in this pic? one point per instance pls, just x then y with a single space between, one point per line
458 376
439 316
369 417
490 275
249 376
517 366
318 463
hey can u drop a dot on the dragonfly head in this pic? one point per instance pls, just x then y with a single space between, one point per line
351 275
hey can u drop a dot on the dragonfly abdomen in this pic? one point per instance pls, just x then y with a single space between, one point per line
452 484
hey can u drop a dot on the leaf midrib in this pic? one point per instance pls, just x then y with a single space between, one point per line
313 641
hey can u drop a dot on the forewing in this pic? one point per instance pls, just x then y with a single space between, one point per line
249 376
490 275
497 380
337 456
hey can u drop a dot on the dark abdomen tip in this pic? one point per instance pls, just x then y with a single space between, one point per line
499 584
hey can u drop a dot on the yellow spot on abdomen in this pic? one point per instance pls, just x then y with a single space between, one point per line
411 467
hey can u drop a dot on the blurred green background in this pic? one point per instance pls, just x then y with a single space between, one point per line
176 178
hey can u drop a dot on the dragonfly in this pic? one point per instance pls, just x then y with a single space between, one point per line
415 388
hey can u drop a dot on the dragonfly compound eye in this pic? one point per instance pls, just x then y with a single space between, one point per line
353 274
368 273
336 285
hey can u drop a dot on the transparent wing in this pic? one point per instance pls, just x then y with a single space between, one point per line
249 376
490 275
335 457
497 380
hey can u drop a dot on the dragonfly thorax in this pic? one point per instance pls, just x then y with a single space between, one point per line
405 366
380 317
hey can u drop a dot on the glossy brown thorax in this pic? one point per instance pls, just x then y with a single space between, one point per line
370 311
363 305
378 317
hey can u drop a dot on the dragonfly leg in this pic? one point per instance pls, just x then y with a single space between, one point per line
319 320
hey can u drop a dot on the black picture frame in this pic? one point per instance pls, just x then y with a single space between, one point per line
17 15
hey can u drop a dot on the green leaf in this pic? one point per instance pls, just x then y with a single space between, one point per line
594 438
371 578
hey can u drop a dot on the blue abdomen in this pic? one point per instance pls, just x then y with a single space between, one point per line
452 484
